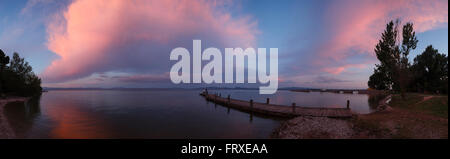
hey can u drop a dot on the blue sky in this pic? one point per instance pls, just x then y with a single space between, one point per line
327 44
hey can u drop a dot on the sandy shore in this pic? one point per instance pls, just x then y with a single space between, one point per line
5 129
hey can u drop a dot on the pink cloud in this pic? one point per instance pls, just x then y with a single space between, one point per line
357 26
146 78
340 69
94 36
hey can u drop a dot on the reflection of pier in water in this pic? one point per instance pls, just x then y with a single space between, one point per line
278 110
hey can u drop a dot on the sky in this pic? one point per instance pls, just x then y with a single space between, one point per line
118 43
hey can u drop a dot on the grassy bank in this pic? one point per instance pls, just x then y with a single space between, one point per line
418 116
429 104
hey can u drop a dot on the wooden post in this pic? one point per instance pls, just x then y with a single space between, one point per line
267 101
293 107
348 104
215 100
251 103
228 98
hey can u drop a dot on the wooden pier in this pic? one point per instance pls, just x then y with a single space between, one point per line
278 110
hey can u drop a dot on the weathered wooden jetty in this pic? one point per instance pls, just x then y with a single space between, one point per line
277 110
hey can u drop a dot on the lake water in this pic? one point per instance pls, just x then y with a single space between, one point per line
156 113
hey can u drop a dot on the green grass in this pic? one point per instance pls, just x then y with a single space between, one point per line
437 106
411 118
408 102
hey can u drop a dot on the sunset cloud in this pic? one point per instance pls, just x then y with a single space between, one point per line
340 69
94 36
341 41
356 26
160 78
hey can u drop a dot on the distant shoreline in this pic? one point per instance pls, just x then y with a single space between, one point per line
341 91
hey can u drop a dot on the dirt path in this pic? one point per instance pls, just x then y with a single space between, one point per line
425 98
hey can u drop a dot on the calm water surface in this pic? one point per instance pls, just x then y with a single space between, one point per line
156 114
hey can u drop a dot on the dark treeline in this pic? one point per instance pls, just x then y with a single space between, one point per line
17 77
427 73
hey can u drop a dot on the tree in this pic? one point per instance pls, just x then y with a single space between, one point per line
402 66
430 70
385 50
379 79
4 60
394 64
20 66
20 78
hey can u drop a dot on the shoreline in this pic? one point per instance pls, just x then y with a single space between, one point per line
6 131
305 127
385 123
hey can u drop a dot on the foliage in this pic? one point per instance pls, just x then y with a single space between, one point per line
380 80
4 60
429 71
386 51
18 78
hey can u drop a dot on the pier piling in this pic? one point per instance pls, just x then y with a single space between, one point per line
348 104
293 107
267 101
